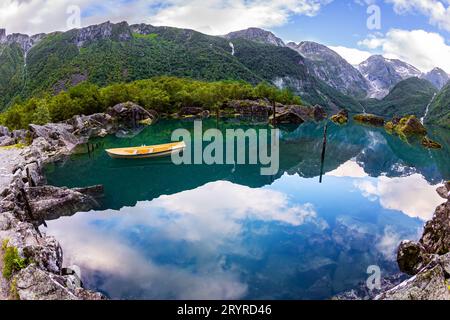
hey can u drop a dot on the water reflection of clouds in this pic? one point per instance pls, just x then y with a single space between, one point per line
207 218
412 195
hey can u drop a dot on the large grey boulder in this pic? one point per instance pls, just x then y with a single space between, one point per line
131 113
49 203
436 235
4 131
412 257
6 141
33 283
93 125
56 134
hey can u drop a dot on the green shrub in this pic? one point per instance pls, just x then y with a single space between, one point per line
12 261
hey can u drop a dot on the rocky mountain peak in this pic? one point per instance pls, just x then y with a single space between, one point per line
24 41
383 74
2 35
120 31
331 68
438 77
257 35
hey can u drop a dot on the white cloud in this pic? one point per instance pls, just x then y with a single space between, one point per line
437 11
411 195
213 17
424 50
352 55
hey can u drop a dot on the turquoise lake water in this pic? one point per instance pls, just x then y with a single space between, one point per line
226 232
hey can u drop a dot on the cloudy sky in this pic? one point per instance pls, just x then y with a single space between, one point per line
416 31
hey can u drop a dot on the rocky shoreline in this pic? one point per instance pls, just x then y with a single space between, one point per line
35 260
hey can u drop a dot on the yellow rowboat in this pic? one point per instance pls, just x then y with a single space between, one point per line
146 151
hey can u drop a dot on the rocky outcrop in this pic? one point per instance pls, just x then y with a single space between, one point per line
408 126
106 30
57 135
49 203
256 35
32 283
430 284
24 41
369 119
96 125
27 202
428 260
258 108
412 257
129 113
287 117
319 113
196 112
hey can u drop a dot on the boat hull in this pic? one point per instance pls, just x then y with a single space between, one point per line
146 152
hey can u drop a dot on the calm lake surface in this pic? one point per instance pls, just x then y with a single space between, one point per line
226 232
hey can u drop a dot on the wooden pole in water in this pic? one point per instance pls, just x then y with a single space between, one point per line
274 112
324 147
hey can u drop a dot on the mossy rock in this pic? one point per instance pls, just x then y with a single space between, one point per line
430 144
370 119
409 126
339 119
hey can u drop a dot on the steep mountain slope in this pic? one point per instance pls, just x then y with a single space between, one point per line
438 77
286 68
410 96
109 53
330 67
439 110
383 74
256 35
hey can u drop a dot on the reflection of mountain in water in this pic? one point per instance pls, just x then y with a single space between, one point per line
127 182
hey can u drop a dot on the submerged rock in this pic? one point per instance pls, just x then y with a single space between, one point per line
287 117
410 125
340 118
193 112
369 119
430 144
